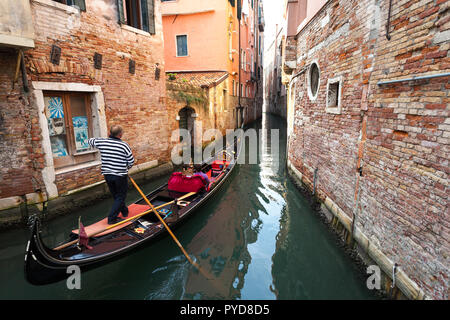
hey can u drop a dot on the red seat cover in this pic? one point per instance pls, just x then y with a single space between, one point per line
218 165
178 182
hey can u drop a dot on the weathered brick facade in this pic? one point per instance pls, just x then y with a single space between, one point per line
381 157
135 101
21 156
216 111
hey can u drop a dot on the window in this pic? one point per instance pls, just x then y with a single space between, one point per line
334 94
139 14
233 88
244 61
313 81
182 50
69 123
74 3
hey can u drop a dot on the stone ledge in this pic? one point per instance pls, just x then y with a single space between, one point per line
59 6
135 30
14 211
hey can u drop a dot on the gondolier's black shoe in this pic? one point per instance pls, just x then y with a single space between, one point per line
115 220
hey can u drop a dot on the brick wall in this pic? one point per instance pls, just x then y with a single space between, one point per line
218 113
135 101
20 153
398 134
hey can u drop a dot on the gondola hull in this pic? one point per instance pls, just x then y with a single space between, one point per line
44 265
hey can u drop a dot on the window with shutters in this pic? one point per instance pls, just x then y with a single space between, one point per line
139 14
81 4
182 49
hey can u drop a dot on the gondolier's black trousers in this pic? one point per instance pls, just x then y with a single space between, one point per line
118 185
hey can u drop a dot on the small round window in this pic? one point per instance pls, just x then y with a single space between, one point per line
313 80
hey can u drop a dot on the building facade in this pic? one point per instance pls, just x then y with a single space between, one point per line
69 70
275 90
368 125
202 51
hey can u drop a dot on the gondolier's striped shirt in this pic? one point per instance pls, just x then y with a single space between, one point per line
116 155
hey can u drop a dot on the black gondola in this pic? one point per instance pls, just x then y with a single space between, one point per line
44 265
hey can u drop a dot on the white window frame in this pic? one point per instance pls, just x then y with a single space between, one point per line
308 81
336 109
99 126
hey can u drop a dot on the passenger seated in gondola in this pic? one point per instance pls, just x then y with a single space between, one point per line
187 170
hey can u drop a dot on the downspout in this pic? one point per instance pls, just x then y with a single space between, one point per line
239 68
289 94
388 23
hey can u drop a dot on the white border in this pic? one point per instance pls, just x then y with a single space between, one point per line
337 109
308 81
176 45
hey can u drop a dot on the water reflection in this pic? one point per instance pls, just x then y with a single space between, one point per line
258 238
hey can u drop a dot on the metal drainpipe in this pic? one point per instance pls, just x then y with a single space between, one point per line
388 23
289 95
431 76
239 68
394 271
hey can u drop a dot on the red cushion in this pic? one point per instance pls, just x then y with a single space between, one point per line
218 165
180 183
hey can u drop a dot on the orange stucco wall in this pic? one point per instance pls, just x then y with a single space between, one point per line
209 26
206 38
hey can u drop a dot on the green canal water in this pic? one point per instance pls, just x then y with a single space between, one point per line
258 237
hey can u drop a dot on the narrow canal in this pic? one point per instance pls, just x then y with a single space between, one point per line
259 237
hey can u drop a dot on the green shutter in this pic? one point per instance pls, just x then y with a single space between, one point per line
121 12
239 9
151 16
80 4
144 11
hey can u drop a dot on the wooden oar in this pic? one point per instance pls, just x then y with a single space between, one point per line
124 221
168 229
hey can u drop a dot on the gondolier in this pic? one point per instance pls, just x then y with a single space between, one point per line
44 265
116 158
